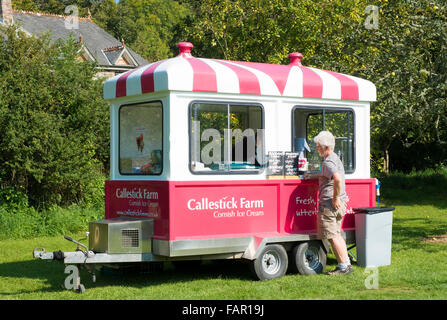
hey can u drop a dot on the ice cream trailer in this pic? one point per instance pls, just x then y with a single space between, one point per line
207 158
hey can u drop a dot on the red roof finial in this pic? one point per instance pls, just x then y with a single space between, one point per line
185 47
295 58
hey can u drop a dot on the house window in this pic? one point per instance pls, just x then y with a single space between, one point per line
141 139
309 121
226 138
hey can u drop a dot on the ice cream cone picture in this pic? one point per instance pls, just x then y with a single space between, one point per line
140 142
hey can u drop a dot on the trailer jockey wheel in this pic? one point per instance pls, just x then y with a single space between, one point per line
272 263
309 258
80 289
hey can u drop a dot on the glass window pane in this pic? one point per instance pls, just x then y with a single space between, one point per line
341 125
209 122
141 139
246 130
309 122
225 138
314 126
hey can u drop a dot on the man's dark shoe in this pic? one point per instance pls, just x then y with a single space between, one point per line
338 271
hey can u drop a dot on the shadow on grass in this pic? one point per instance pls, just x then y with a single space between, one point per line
52 273
408 233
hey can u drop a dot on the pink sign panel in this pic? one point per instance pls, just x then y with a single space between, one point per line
139 199
225 209
301 206
213 209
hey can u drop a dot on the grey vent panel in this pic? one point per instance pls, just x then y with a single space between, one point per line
121 235
130 238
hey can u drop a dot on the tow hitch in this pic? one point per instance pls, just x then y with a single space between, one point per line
73 280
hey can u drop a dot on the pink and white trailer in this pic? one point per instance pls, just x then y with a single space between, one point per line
203 163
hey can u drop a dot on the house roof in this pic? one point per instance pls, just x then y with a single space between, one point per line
94 38
187 73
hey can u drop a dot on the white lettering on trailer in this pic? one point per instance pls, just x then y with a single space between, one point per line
150 195
306 213
228 214
309 200
249 204
189 204
135 194
224 203
254 213
206 204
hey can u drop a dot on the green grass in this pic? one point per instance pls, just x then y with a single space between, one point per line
417 271
28 222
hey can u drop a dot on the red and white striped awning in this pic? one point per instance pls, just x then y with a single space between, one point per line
187 73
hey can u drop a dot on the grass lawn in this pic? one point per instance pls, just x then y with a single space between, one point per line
417 271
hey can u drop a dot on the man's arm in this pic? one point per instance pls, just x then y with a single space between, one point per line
313 175
336 203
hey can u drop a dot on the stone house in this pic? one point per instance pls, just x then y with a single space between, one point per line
111 55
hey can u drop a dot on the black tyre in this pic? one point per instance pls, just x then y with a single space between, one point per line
271 264
309 257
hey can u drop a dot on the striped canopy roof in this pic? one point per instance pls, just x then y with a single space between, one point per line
187 73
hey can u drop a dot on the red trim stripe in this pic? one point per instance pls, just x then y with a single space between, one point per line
349 88
312 84
121 89
248 81
278 73
147 78
204 77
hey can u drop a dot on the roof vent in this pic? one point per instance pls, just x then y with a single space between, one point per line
185 48
295 58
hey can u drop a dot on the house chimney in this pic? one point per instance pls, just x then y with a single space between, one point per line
6 11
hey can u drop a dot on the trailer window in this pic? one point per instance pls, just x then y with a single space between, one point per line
308 122
226 138
141 139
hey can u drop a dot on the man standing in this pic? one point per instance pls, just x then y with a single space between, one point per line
332 201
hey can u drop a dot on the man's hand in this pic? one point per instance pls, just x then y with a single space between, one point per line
308 175
336 203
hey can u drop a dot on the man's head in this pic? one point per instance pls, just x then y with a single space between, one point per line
325 143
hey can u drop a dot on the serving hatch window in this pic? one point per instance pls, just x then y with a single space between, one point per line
141 139
226 138
308 122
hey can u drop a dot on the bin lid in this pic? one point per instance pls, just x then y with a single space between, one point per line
372 210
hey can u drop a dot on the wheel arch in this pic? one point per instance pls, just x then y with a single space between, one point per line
258 244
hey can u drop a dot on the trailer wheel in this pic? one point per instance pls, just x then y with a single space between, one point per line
309 257
272 263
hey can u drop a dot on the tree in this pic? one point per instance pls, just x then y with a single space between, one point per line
54 127
147 26
405 57
267 31
54 6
